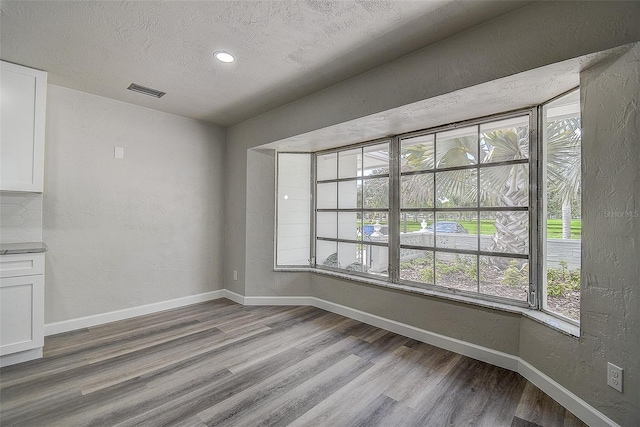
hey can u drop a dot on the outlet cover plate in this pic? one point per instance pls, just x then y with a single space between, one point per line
614 376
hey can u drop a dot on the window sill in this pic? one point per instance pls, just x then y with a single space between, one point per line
548 320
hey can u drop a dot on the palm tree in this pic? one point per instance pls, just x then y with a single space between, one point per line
563 165
507 186
500 186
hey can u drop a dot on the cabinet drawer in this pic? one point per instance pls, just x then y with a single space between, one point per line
21 265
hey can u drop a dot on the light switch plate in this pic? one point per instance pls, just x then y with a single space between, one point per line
118 152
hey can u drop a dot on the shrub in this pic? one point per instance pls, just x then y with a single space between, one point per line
427 275
514 276
556 290
561 281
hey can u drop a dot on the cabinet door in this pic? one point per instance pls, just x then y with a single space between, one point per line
21 313
22 127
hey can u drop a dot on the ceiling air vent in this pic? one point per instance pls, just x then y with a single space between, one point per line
145 90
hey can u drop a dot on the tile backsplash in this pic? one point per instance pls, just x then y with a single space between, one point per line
20 217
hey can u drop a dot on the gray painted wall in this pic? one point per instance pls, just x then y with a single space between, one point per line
498 330
534 36
129 232
260 277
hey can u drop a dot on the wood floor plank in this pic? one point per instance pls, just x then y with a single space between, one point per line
219 363
257 396
304 397
536 407
357 395
374 414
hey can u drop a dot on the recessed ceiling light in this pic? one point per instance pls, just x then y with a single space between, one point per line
224 56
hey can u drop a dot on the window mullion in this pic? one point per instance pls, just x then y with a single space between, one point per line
312 231
536 233
478 215
394 211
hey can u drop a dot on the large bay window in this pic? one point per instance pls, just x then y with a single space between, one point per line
487 208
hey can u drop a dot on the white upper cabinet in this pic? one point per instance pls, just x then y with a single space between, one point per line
23 99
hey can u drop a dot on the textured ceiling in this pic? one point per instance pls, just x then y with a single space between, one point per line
284 49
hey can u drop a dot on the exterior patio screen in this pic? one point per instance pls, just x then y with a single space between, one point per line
293 203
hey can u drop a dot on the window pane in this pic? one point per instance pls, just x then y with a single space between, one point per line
349 225
563 278
350 163
505 231
376 193
376 159
457 271
457 147
294 209
562 219
456 230
326 253
326 224
326 166
349 197
505 140
376 259
326 196
417 153
416 224
504 277
455 189
349 256
363 258
505 186
417 191
373 221
416 266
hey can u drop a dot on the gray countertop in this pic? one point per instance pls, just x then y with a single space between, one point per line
22 248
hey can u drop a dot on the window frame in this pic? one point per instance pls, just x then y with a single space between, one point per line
276 239
541 199
532 298
361 209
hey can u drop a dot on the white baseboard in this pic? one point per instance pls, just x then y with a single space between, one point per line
22 356
127 313
280 301
581 409
474 351
234 296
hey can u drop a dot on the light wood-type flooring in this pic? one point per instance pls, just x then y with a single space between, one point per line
222 364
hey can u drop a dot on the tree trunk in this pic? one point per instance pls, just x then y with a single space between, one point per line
566 218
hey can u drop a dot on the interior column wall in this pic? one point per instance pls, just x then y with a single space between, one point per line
610 296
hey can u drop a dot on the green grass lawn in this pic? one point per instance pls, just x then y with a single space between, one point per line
554 227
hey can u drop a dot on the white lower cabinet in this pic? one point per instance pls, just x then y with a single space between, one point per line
21 307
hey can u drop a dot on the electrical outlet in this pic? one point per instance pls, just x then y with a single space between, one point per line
235 275
614 376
